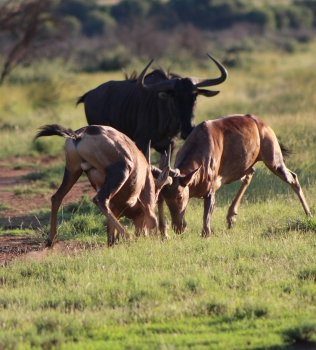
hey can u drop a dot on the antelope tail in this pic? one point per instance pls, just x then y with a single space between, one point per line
285 151
55 129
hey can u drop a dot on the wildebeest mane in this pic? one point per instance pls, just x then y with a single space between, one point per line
159 73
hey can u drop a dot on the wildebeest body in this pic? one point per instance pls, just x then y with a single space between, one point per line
142 113
159 106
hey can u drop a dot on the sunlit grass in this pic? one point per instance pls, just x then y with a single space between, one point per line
4 206
17 232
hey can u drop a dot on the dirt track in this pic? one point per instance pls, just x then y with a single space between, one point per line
19 213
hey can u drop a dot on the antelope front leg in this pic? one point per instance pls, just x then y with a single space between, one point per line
104 207
209 203
232 211
116 176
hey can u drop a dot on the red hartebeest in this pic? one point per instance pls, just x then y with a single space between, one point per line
218 152
116 169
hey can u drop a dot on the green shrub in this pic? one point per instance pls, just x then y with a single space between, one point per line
300 333
308 273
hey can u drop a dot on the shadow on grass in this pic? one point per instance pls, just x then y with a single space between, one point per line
301 345
302 226
25 221
38 219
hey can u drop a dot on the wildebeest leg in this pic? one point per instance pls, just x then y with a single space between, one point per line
163 229
209 203
233 209
116 175
291 178
139 223
69 179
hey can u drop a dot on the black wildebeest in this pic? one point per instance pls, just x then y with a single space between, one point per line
157 107
218 152
116 169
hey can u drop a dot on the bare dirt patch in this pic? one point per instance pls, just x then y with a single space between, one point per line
33 248
18 212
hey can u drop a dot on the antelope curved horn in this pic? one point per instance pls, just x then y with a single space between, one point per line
167 157
148 152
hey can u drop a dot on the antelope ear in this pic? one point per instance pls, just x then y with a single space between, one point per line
163 179
188 179
207 93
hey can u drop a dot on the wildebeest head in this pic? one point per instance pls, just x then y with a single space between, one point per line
184 92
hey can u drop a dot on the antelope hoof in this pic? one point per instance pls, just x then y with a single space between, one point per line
231 220
128 238
164 235
48 243
205 235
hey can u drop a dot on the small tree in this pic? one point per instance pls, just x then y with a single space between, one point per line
32 25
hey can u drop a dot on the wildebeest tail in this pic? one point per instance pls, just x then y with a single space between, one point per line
56 129
285 151
81 99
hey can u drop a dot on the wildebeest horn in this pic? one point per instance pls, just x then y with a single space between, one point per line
158 87
148 152
211 82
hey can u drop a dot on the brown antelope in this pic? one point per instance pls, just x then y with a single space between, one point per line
116 169
218 152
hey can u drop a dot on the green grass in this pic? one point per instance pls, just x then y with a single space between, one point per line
43 181
17 232
28 191
252 287
235 288
4 206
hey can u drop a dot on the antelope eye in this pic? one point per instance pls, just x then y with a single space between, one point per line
179 198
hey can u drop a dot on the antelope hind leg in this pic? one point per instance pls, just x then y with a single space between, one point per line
69 179
291 178
112 234
233 209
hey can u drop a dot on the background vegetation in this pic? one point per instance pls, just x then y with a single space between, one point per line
252 287
99 35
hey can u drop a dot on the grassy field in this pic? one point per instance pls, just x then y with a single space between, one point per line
252 287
